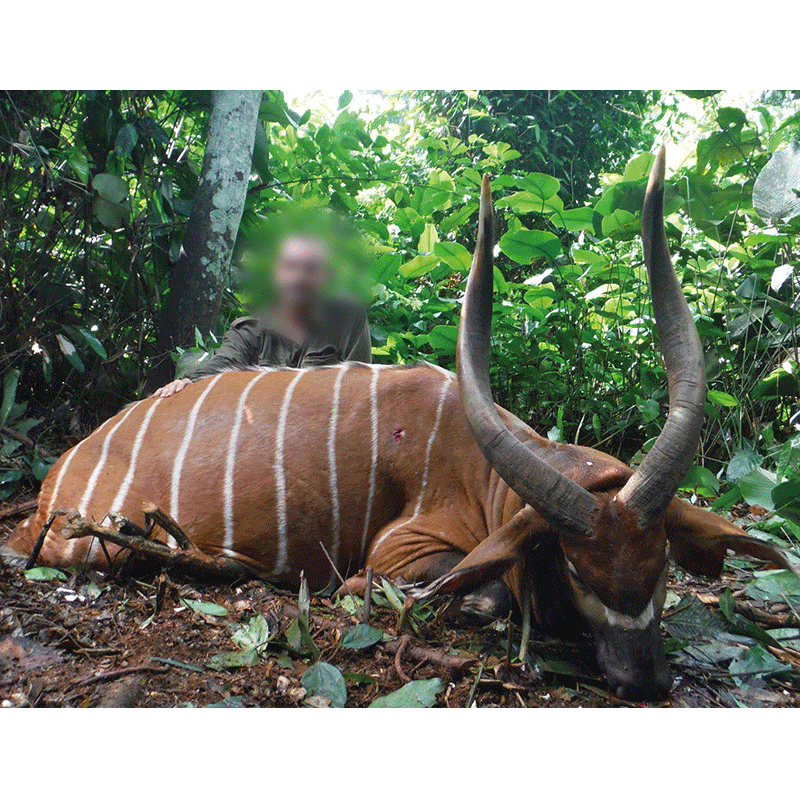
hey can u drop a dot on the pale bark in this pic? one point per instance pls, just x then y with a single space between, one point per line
203 268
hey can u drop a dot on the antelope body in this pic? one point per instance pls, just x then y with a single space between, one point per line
388 466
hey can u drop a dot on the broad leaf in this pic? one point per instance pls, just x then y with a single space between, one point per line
525 246
10 382
325 680
93 342
203 607
70 353
44 574
361 637
110 187
757 488
443 338
417 694
231 660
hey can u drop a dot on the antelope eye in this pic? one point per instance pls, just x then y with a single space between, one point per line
574 573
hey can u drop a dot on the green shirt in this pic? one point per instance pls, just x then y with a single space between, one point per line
338 331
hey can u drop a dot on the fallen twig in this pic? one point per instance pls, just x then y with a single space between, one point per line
398 659
754 614
153 513
120 673
478 677
193 559
436 657
367 596
18 509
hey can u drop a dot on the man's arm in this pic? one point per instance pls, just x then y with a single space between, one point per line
238 351
359 346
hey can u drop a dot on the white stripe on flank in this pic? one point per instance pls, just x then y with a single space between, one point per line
333 478
228 497
280 479
83 507
70 546
65 466
137 446
424 485
177 466
373 413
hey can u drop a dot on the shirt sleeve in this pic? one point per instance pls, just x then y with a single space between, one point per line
238 351
359 345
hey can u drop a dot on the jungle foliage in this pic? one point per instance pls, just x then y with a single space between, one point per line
96 188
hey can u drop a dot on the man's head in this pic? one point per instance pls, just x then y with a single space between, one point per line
301 270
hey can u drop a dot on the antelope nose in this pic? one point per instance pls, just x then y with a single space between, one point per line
639 685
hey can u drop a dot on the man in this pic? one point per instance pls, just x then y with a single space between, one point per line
302 329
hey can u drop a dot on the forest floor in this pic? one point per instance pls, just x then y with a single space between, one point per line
80 639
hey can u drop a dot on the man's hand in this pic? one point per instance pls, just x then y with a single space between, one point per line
171 388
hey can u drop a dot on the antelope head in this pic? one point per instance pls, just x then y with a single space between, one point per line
613 541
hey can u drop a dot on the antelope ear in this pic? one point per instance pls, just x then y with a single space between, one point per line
492 558
698 540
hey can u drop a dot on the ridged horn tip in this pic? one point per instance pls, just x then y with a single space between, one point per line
486 196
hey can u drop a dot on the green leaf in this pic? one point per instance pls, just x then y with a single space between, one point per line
638 168
41 466
10 476
722 399
455 255
417 694
540 298
254 634
590 257
575 219
525 246
428 239
757 662
44 574
233 659
393 595
529 203
70 353
110 187
386 267
344 99
620 224
744 461
361 637
700 94
757 488
93 342
540 185
111 215
203 607
79 164
701 480
125 141
692 620
419 266
775 586
10 382
786 497
443 338
325 680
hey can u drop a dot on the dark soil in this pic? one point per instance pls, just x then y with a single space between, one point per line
93 641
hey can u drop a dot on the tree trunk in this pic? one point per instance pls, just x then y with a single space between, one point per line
199 279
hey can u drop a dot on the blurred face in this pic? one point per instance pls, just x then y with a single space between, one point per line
300 271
